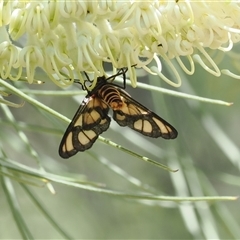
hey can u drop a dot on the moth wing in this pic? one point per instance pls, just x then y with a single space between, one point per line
90 120
141 119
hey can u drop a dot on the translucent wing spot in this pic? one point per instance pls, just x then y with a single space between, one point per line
85 137
68 146
147 127
142 111
162 127
120 117
143 125
78 121
92 117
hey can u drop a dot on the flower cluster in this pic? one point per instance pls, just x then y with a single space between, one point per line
65 38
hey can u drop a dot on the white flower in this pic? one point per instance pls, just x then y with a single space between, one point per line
65 38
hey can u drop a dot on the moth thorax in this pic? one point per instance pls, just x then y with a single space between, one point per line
111 96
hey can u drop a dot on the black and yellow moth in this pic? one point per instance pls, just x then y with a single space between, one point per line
91 118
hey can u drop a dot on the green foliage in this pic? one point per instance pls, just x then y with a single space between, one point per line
105 192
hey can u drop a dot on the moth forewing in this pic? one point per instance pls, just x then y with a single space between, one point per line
88 123
141 119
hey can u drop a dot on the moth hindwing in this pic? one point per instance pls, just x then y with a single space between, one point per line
91 118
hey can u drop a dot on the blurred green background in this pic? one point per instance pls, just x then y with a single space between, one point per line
206 153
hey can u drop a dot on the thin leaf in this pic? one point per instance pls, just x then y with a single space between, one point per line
14 206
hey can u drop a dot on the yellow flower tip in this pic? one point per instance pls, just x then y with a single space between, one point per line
65 38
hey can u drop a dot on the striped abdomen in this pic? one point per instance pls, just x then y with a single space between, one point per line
111 96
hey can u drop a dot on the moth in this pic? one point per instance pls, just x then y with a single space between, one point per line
91 118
